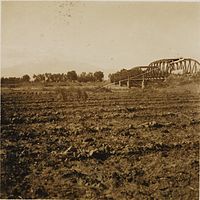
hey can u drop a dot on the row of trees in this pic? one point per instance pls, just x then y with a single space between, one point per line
49 77
70 76
15 80
124 74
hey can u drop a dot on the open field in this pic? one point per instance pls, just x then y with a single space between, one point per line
121 144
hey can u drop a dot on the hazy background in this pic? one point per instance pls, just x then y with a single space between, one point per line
39 37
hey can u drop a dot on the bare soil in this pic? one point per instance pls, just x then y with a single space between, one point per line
124 144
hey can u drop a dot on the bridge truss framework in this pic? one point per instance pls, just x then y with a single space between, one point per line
161 69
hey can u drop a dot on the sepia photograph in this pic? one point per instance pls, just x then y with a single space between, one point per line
100 100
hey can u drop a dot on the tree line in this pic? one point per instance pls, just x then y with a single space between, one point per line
70 76
124 74
14 80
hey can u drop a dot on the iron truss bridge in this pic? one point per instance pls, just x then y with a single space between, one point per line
167 66
161 69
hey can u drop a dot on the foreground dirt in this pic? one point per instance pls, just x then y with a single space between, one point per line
116 145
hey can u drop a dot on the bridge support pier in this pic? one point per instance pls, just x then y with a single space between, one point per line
128 83
143 83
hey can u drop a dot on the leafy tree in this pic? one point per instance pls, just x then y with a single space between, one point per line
39 78
86 77
82 77
26 78
72 75
90 77
48 77
99 75
111 77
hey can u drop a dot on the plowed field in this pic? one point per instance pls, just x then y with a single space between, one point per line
122 144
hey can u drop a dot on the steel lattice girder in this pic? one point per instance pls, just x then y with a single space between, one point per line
188 65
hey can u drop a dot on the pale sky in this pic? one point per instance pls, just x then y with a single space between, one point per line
56 37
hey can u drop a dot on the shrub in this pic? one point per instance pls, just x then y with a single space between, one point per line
71 93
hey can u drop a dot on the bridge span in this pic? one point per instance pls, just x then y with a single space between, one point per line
157 70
